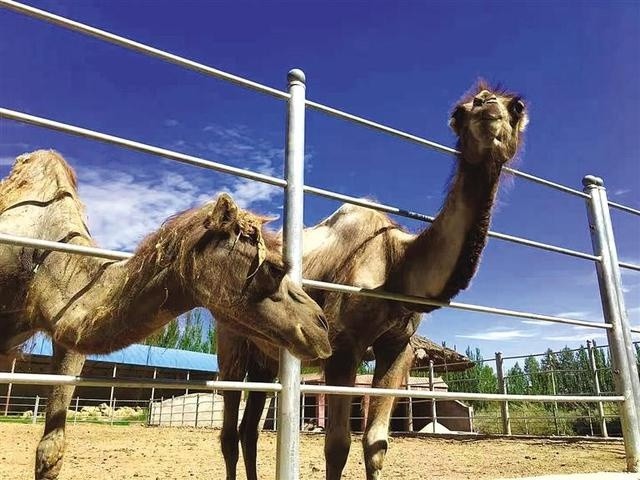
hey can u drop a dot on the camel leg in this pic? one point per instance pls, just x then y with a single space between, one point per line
340 370
392 364
233 357
50 451
229 436
251 419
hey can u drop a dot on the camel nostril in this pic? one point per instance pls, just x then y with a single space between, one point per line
323 321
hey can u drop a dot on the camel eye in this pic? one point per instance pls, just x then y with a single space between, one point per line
517 106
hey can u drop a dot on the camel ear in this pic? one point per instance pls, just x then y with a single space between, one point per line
266 220
457 119
224 214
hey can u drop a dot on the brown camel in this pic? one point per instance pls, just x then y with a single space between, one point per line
363 247
216 256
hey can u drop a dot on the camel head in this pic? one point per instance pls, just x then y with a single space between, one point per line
235 267
489 123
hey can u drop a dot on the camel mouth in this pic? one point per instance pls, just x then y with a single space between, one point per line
490 117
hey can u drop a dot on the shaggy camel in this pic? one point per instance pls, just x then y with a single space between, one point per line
216 256
363 247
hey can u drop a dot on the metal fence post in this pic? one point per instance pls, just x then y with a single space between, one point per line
434 413
625 371
35 410
113 375
554 392
9 387
596 389
75 411
288 461
197 408
502 388
409 405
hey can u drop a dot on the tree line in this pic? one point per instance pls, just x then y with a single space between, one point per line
193 331
566 372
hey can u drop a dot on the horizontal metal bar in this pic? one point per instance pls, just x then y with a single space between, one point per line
624 208
114 255
427 218
630 266
200 162
138 146
434 145
391 392
140 47
380 127
334 287
243 82
48 379
18 241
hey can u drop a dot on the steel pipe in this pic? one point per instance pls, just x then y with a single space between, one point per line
288 442
138 146
630 266
624 365
19 241
390 392
138 47
428 218
334 287
243 82
49 379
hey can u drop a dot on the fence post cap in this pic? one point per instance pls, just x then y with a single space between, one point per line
592 180
296 75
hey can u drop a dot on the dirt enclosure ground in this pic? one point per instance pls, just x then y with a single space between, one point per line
118 453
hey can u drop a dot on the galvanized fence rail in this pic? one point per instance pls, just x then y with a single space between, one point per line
604 256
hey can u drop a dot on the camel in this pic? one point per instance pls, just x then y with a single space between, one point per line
363 247
216 256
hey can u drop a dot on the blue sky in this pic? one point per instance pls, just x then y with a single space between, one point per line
403 64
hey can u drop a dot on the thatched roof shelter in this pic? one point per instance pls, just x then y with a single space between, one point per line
444 359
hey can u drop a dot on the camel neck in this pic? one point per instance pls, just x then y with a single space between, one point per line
440 261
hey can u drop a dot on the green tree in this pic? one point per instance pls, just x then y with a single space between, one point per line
191 331
479 379
537 383
517 383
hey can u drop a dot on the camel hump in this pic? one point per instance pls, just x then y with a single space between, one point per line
46 159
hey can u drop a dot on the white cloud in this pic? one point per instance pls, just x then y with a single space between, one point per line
7 161
576 337
621 191
499 335
537 322
124 207
576 314
170 122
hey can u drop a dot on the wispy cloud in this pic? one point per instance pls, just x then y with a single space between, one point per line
621 191
7 160
124 207
537 322
502 335
578 337
577 315
170 122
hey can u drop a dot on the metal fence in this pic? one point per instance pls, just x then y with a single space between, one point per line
288 418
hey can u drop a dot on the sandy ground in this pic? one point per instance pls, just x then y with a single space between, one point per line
119 453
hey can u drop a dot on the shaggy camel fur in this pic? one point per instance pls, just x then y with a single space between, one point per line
216 256
363 247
